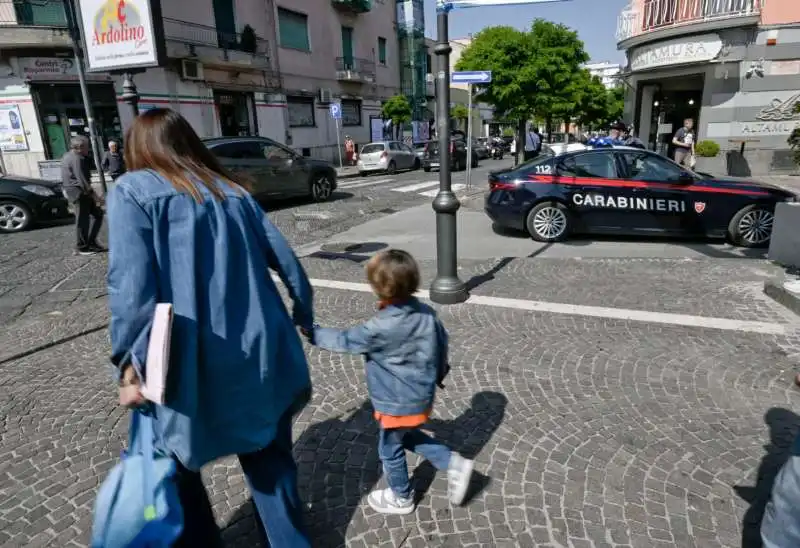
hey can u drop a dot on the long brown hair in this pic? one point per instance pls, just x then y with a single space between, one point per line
162 140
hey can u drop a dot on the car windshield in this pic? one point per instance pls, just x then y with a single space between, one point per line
372 147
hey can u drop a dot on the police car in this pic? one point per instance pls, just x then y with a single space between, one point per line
627 190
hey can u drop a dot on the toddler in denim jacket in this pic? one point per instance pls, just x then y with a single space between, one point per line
405 346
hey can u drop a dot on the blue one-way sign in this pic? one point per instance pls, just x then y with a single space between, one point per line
471 77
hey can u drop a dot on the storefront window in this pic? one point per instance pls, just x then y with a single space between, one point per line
301 111
235 113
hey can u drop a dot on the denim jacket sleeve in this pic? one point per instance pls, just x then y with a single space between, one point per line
282 260
360 339
132 279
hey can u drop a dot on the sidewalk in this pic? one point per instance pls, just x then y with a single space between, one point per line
590 425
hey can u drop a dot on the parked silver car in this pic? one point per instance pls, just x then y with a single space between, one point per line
387 156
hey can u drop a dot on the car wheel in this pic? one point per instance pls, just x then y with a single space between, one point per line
475 163
321 187
751 226
548 222
14 217
416 164
426 169
391 168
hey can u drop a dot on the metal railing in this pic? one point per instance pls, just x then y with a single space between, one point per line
204 35
33 13
660 14
355 6
364 67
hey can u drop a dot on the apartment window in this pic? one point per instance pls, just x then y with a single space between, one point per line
293 29
301 111
382 51
351 112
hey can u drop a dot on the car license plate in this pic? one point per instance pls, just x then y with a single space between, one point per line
434 164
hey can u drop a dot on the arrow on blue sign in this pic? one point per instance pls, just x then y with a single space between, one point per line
471 77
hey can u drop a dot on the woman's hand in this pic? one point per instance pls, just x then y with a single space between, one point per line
129 394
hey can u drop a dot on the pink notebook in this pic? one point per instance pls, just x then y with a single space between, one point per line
157 364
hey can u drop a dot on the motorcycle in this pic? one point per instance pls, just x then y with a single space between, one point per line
497 152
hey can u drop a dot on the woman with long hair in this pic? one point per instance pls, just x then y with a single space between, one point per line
183 231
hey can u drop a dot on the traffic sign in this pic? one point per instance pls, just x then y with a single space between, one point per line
471 77
336 111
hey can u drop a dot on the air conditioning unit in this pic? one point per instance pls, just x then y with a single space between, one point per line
191 70
325 95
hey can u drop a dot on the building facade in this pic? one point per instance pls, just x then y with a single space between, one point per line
609 73
731 65
234 67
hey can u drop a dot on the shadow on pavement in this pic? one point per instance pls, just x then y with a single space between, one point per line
278 205
338 465
783 426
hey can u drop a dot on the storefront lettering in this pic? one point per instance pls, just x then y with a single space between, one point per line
769 128
703 48
33 67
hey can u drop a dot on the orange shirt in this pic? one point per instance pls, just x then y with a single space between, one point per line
407 421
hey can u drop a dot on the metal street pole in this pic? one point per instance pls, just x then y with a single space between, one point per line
77 49
469 136
130 95
446 287
338 143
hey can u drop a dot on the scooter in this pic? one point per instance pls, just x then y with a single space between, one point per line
497 152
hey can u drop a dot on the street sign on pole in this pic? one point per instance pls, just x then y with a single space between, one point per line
336 114
471 77
469 137
336 111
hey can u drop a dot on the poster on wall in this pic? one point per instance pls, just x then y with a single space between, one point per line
12 132
375 128
122 34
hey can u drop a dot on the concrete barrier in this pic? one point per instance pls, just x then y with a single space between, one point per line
784 246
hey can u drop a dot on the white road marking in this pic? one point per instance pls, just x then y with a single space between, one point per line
418 186
684 320
370 182
432 193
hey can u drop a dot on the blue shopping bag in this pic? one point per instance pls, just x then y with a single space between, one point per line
138 505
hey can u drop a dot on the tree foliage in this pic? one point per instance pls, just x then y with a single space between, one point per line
535 74
398 110
459 112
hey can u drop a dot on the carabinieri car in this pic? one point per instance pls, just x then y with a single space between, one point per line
623 190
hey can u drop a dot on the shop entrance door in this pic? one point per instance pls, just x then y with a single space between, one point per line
674 100
235 113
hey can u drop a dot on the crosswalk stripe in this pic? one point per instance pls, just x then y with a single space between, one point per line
418 186
368 182
435 191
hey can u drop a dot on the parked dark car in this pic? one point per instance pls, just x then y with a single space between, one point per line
273 170
458 155
25 202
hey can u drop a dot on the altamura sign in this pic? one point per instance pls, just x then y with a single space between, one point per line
122 34
676 52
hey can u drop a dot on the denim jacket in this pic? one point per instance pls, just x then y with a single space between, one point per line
405 347
236 363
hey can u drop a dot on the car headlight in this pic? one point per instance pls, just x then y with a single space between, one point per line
39 190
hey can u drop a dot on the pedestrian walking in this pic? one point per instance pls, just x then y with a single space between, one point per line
183 231
76 178
533 143
683 141
349 150
405 346
113 162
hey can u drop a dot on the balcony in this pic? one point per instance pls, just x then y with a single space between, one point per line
652 19
215 48
352 69
352 6
32 23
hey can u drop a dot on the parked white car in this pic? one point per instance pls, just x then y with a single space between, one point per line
386 156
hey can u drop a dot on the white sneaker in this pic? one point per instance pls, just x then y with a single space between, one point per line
385 501
459 473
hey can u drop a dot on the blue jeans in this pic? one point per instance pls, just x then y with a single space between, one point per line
272 478
780 527
392 447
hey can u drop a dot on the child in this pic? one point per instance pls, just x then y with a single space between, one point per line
405 346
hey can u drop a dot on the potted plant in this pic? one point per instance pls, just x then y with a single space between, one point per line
248 41
708 158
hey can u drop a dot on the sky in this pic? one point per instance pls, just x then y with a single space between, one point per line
595 21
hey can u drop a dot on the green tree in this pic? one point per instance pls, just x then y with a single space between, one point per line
461 113
398 110
615 105
594 102
534 74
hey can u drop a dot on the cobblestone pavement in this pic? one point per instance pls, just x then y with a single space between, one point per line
586 432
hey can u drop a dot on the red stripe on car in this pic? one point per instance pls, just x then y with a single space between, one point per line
551 179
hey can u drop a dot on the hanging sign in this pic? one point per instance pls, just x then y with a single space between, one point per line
122 34
12 132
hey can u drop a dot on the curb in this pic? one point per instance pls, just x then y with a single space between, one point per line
776 290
